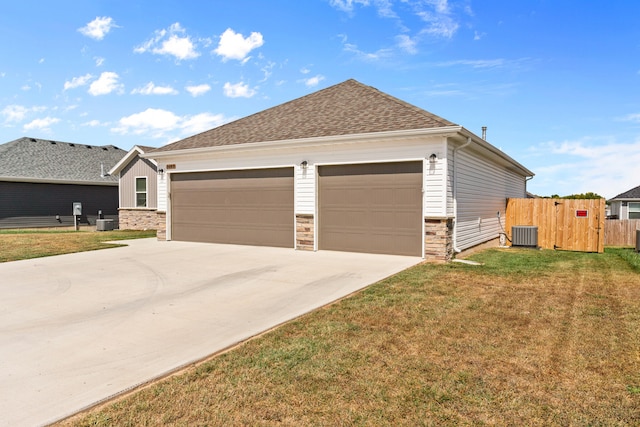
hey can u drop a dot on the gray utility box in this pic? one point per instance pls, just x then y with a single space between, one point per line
638 241
524 235
104 225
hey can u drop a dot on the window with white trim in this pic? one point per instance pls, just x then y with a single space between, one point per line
141 192
634 210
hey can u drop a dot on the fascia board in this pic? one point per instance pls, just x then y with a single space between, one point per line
481 142
306 142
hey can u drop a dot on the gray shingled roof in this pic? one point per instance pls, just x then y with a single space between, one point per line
344 109
43 160
634 193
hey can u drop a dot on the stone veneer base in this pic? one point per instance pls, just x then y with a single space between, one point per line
438 239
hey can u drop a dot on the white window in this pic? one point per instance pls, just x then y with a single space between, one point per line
141 192
634 210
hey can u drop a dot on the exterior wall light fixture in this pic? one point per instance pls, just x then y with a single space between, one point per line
432 158
304 164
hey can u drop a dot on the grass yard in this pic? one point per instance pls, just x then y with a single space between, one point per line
25 244
529 338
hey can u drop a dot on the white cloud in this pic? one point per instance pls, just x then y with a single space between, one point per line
635 117
437 19
367 56
171 42
198 90
159 123
17 113
347 5
41 124
439 24
151 121
77 81
233 45
313 81
98 28
601 165
201 122
305 70
407 43
26 87
151 89
99 60
14 113
93 123
238 90
106 83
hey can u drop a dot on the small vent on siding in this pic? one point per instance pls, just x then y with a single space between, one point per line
524 235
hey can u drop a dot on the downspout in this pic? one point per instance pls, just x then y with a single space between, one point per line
456 249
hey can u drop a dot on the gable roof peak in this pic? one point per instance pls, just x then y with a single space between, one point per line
345 108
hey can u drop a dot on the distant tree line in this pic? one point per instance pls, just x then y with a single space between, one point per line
589 195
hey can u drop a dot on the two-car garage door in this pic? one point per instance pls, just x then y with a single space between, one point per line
374 208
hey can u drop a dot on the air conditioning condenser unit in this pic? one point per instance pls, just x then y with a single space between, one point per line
524 235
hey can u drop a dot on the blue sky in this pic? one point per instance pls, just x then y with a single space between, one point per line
557 83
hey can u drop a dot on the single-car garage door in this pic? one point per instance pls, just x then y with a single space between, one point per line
374 208
246 207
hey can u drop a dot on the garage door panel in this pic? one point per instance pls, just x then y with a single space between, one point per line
371 208
237 207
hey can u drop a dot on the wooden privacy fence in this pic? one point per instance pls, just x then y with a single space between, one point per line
621 232
564 224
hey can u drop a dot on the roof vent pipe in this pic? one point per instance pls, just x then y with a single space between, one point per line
484 133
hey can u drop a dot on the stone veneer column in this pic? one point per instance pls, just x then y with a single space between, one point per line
438 239
162 225
304 232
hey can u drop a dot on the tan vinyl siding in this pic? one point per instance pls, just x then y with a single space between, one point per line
138 168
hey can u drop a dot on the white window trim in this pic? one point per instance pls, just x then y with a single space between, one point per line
136 192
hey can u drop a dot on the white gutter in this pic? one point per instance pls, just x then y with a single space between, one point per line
55 181
455 195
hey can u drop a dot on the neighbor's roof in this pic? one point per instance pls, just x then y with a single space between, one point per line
344 109
42 160
634 193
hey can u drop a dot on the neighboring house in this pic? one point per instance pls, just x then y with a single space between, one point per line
626 205
347 168
41 179
138 191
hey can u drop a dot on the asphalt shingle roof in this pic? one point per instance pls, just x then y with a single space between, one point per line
634 193
347 108
42 159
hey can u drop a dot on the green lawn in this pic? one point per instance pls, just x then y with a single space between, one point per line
529 338
25 244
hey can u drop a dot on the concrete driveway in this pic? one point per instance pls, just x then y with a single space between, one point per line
76 329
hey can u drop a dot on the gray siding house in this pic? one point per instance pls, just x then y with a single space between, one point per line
41 179
138 190
626 205
347 168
